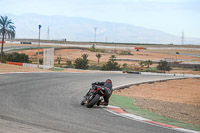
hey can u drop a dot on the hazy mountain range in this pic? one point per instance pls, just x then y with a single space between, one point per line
82 29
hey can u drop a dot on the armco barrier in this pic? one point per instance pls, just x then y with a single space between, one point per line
35 65
14 63
28 65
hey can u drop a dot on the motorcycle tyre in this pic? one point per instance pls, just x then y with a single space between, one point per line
93 101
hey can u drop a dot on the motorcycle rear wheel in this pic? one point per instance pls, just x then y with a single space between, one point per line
92 102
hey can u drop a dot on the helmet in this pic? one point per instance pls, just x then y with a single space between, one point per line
108 81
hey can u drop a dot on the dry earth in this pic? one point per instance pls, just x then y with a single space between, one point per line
13 68
73 54
6 68
177 99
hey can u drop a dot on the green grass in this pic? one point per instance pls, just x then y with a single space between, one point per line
20 49
56 69
94 67
154 69
25 49
128 104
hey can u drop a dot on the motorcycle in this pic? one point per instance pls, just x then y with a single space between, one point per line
94 96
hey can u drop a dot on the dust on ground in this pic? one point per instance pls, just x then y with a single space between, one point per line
176 99
73 54
6 68
13 68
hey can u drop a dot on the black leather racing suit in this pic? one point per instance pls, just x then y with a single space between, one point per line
108 89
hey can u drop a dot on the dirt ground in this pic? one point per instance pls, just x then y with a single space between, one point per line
6 68
73 54
177 99
13 68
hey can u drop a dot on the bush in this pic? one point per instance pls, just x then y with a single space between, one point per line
17 57
125 53
82 63
93 49
69 64
163 66
110 65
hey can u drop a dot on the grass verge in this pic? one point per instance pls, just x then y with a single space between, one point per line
128 105
56 69
22 49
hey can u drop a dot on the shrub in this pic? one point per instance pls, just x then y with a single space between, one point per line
93 49
145 63
125 65
69 64
17 57
148 63
163 66
112 58
125 53
111 66
82 63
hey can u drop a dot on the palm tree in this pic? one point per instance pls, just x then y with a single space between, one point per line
112 58
59 60
7 29
85 56
98 56
148 63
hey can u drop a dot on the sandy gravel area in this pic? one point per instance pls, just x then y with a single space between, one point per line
14 68
177 99
73 54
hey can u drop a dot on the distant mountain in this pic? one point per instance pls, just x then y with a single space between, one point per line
82 29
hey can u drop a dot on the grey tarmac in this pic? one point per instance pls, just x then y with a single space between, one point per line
50 102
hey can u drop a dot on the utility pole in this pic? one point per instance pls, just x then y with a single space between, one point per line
95 30
39 46
106 39
182 38
48 33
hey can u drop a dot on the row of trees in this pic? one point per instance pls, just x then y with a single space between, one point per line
82 63
146 63
16 57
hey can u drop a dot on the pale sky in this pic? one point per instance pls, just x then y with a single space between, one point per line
171 16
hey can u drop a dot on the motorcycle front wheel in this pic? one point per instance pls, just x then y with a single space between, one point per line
92 102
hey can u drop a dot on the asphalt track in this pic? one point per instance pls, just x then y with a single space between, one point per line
50 102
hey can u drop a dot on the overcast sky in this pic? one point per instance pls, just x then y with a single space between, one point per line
171 16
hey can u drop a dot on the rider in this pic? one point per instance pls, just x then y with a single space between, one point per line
107 87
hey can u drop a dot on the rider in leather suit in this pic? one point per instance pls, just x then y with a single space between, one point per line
107 87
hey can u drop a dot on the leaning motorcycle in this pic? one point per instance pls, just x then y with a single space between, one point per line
94 96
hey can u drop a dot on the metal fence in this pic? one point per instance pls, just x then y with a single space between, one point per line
35 65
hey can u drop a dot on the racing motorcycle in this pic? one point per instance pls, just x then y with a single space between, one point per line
94 96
